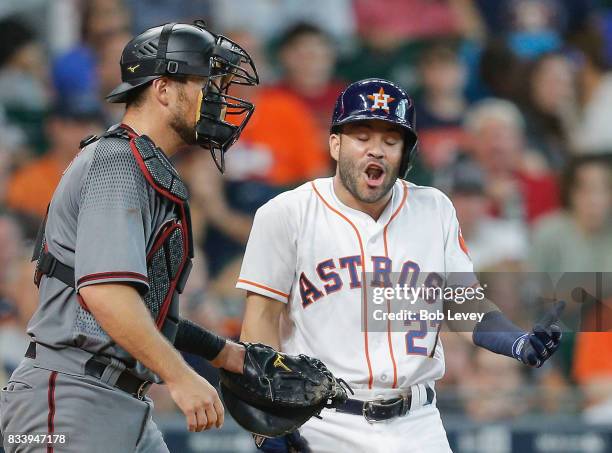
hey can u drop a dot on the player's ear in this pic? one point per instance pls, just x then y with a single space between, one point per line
334 146
161 90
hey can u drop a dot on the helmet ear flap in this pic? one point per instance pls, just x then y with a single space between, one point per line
407 161
410 150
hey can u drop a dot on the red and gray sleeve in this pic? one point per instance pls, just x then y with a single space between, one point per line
113 220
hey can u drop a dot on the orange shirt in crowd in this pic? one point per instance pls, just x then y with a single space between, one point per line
592 358
30 189
281 144
320 104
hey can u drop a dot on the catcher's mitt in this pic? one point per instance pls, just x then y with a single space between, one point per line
277 393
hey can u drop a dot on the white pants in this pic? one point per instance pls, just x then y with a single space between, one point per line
420 431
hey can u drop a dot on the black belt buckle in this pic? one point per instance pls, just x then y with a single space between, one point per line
368 407
388 409
126 381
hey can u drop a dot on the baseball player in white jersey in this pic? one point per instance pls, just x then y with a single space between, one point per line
316 252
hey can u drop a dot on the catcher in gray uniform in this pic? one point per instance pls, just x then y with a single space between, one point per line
117 233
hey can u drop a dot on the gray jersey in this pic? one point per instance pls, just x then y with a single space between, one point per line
103 221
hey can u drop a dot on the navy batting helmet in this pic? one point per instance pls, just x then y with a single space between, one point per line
378 99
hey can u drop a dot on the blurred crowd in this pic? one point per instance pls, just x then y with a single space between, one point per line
514 116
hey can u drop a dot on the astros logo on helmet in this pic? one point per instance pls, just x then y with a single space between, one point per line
381 100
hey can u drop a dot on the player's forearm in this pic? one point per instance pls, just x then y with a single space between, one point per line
497 334
197 340
261 320
122 314
465 326
254 332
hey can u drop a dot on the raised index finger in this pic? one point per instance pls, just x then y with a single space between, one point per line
552 316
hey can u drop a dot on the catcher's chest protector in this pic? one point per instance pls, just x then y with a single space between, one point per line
169 260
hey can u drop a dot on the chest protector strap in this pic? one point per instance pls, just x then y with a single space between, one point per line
47 264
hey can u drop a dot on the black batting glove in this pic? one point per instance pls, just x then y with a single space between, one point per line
536 347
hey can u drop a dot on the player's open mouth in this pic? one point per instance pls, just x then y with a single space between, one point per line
375 175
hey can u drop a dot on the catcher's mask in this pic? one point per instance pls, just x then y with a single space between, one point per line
176 50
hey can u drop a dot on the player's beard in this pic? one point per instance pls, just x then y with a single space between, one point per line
352 178
179 122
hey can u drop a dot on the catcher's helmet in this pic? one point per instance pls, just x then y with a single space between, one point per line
176 50
378 99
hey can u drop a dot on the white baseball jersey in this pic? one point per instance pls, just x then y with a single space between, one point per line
312 252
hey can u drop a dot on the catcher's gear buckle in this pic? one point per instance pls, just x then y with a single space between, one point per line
142 390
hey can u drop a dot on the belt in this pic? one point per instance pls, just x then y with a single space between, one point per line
380 410
96 366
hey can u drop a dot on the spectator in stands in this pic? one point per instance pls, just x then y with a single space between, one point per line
147 14
12 150
390 58
550 107
89 69
579 237
18 295
517 180
12 137
569 15
280 146
441 107
481 231
417 19
578 240
592 133
392 34
23 78
307 57
102 18
593 372
31 187
267 19
22 67
493 82
493 388
534 27
108 53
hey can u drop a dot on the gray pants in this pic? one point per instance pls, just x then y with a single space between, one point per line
94 416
